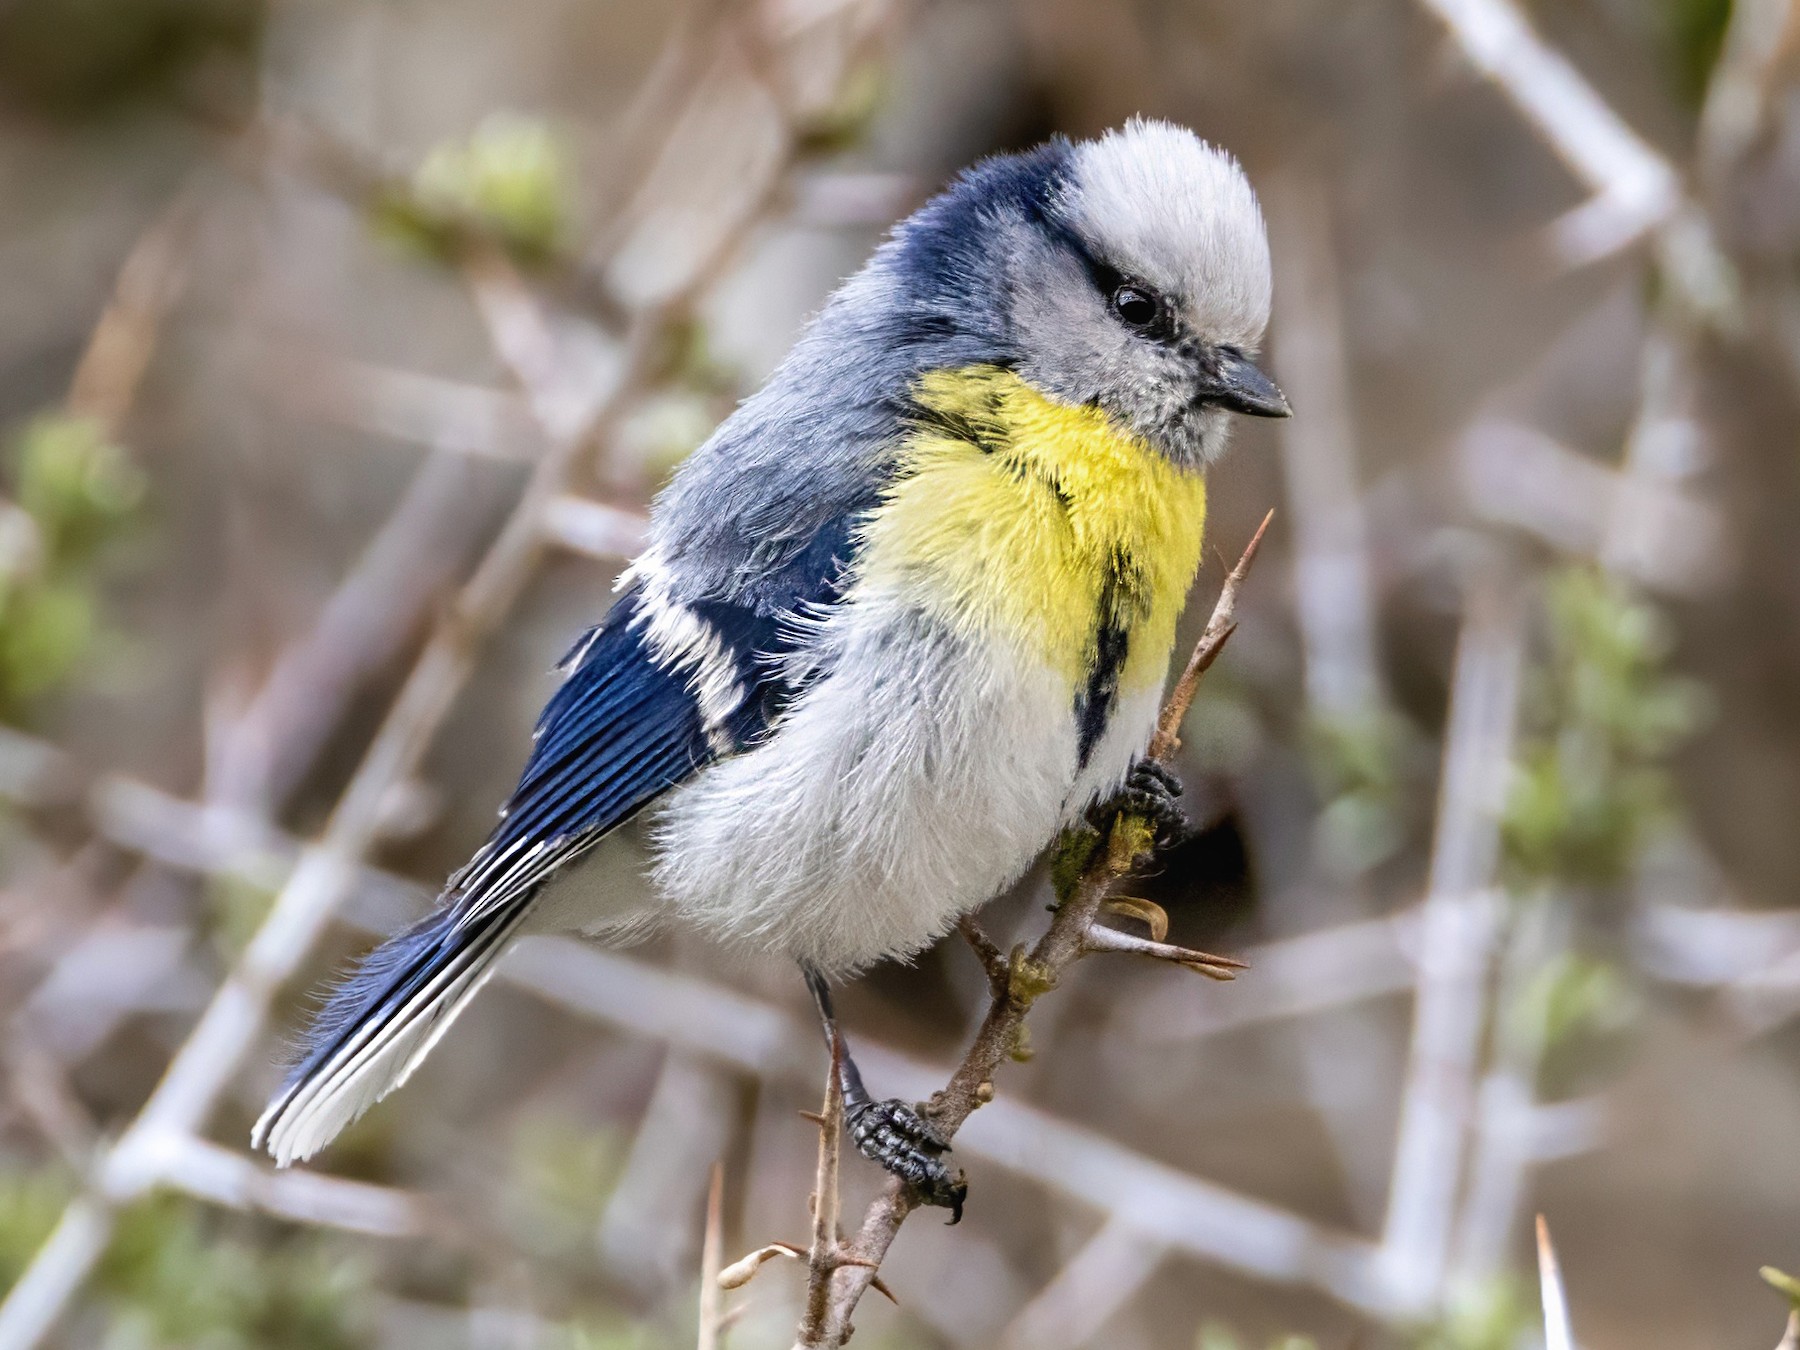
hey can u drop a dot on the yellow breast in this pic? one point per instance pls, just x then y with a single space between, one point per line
1019 518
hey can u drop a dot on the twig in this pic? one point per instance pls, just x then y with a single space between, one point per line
1218 631
444 415
987 951
712 1259
1745 84
1310 972
41 1088
106 380
1066 940
1516 475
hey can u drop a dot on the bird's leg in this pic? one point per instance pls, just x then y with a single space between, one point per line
1150 791
893 1133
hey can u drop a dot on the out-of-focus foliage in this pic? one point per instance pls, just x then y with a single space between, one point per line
174 1282
509 181
1360 766
1492 1315
75 491
1572 996
175 1278
31 1201
697 390
1784 1284
843 123
1223 729
1591 781
1693 32
237 906
563 1172
76 484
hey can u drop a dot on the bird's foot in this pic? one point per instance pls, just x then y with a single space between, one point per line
1150 791
898 1137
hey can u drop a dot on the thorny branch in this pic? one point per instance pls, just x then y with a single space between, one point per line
1090 865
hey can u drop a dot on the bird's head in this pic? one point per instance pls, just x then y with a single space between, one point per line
1128 273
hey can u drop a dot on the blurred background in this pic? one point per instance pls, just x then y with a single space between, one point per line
342 346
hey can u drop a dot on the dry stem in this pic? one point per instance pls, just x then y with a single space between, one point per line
711 1260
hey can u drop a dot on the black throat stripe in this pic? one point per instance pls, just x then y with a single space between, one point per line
1094 705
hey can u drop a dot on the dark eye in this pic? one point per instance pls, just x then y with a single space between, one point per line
1136 306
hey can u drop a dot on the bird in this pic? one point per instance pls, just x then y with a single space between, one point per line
900 620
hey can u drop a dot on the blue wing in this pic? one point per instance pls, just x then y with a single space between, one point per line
655 692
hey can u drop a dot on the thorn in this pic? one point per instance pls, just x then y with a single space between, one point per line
815 1118
1558 1334
1218 631
1102 939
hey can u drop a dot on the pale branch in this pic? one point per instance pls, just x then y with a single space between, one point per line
712 1259
227 1178
1098 863
1457 946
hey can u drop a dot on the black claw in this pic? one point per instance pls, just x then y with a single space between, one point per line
1156 776
900 1139
1150 791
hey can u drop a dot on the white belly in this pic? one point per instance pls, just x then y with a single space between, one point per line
912 782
